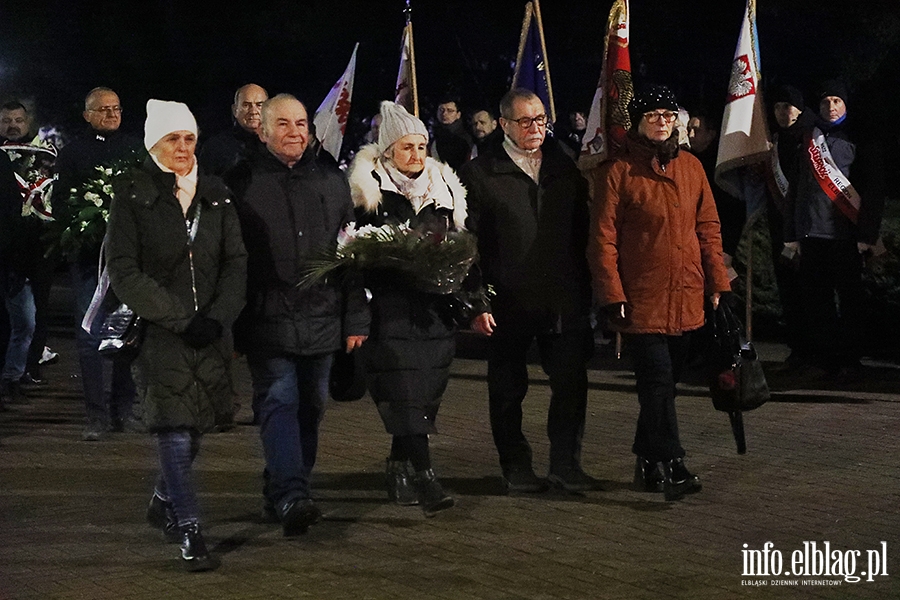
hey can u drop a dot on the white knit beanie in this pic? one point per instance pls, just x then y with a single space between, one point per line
396 123
163 118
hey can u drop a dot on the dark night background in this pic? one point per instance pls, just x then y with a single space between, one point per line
54 51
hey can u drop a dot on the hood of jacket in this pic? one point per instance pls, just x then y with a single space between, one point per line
365 186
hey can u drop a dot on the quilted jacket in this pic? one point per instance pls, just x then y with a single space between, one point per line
154 271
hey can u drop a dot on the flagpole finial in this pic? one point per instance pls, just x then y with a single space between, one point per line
408 11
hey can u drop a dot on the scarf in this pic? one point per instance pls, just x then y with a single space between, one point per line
185 186
527 160
429 187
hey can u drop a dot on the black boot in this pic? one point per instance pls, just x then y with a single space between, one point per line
161 515
431 495
678 480
297 515
13 393
400 488
647 476
194 555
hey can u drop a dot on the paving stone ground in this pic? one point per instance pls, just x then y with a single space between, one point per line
821 467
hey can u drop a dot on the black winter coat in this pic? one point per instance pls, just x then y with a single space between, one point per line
154 271
411 347
288 215
532 237
77 163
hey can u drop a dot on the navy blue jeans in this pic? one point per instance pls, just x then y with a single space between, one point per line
108 386
20 307
293 391
658 361
177 451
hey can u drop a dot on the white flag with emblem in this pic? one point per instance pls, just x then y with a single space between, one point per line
332 114
744 137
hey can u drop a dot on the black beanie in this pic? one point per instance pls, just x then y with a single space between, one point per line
650 98
833 87
789 94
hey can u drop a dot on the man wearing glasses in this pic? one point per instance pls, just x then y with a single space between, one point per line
108 387
528 205
655 251
451 143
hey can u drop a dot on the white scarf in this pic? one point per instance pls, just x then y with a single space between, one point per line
185 186
429 187
527 160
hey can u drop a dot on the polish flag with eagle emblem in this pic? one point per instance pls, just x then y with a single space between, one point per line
744 139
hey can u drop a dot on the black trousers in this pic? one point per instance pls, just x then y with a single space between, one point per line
788 280
829 270
658 362
564 359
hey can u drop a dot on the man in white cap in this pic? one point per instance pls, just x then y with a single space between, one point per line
292 206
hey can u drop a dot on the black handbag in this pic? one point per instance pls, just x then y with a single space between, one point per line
737 382
348 376
118 328
121 333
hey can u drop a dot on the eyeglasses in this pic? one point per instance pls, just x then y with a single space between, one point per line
654 117
107 109
525 122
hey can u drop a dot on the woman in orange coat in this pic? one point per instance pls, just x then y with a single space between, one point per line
655 252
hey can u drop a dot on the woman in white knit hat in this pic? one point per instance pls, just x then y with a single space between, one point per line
175 256
409 351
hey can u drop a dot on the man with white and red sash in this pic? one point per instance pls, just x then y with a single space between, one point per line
832 224
790 128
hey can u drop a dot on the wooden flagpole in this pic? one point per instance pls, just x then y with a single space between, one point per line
526 23
412 60
540 24
749 314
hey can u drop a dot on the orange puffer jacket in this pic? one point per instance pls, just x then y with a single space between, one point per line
655 242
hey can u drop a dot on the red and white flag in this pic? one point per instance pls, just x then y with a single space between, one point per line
405 91
744 138
608 121
331 116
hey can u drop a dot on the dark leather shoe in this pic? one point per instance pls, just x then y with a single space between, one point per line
94 432
161 515
12 392
297 515
400 487
523 480
194 554
431 495
573 480
32 380
678 481
647 476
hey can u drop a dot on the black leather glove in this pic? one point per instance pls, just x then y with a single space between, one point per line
731 299
201 332
613 313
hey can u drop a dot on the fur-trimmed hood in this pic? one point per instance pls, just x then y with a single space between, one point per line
365 187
